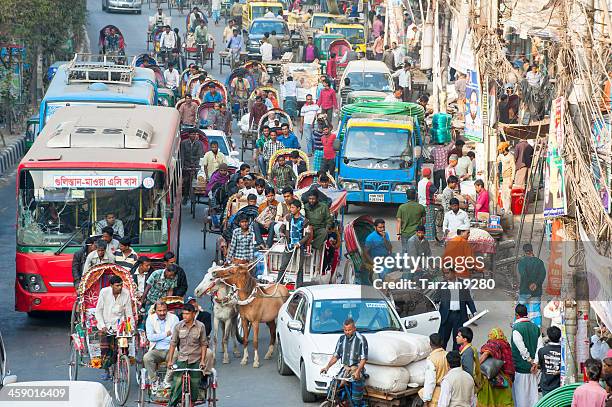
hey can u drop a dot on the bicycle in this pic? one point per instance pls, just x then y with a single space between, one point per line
208 383
190 182
120 370
339 393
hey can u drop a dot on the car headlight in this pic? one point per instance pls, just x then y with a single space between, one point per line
320 359
403 187
31 282
350 185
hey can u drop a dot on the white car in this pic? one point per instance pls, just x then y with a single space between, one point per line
226 146
368 75
310 323
60 393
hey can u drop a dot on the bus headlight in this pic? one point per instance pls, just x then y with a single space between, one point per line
350 185
31 282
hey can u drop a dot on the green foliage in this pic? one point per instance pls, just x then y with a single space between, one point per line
42 26
41 22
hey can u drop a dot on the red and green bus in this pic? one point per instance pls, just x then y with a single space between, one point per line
89 161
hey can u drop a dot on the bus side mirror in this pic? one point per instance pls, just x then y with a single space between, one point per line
337 145
345 160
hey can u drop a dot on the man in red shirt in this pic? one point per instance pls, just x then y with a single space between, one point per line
329 154
327 101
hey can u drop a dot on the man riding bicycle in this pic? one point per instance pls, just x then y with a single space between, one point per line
167 42
352 351
114 304
234 45
189 339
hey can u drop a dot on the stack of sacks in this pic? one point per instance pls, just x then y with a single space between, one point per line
390 355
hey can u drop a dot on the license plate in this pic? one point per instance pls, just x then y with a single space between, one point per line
376 198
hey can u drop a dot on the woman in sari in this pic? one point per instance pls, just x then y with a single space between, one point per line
493 392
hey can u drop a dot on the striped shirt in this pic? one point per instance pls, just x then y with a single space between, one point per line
126 261
270 147
241 246
316 138
440 156
350 351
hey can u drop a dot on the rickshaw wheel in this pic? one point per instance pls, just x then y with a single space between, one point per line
139 361
211 396
142 392
122 380
73 365
73 316
204 231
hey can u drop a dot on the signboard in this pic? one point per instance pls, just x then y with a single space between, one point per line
119 180
473 116
555 202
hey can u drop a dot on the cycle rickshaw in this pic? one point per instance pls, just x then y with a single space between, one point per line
85 341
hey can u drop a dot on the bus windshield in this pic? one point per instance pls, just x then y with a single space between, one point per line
319 22
56 207
352 35
370 81
378 148
261 27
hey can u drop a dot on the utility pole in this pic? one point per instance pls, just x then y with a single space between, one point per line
437 80
444 58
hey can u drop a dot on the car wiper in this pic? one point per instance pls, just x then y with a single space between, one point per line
388 328
365 158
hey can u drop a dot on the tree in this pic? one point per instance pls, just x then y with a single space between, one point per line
43 27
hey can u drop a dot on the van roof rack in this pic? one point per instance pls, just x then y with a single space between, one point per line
88 68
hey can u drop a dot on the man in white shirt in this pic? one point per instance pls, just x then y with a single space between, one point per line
172 77
455 219
435 370
404 81
269 14
265 49
167 39
114 304
465 166
159 328
398 54
308 113
99 256
457 387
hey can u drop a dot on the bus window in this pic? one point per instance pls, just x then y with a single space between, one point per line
60 206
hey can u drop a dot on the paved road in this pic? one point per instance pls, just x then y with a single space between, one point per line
38 347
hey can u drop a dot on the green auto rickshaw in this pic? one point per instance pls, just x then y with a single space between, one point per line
32 128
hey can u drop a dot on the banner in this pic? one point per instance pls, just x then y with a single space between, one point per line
555 261
600 160
473 116
555 202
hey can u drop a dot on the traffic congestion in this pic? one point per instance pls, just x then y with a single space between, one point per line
338 203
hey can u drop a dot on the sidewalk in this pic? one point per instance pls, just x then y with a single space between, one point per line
11 154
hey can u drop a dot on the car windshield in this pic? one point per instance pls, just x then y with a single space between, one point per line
370 81
222 144
59 206
353 35
370 315
378 148
267 26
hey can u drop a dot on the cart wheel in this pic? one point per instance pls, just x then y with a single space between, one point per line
73 364
239 331
122 380
204 233
212 395
73 317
